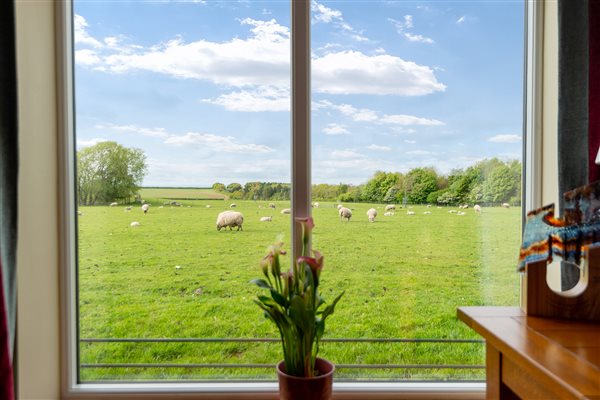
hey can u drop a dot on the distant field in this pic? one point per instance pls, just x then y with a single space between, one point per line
181 194
403 275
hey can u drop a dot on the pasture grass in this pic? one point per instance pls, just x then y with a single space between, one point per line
403 275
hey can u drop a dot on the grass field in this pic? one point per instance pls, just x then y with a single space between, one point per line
163 194
403 275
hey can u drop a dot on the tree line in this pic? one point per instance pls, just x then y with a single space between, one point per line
490 181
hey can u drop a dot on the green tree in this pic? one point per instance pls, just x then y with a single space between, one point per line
234 187
418 183
108 172
218 187
377 187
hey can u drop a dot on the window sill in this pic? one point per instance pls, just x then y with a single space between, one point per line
268 391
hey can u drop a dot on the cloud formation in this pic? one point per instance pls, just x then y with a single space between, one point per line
379 148
505 139
403 28
335 129
227 144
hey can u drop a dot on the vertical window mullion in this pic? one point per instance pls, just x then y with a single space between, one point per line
300 114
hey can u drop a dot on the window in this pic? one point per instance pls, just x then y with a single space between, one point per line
106 292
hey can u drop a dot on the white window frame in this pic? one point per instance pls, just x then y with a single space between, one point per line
301 200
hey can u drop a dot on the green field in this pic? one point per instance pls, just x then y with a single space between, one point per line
163 194
403 275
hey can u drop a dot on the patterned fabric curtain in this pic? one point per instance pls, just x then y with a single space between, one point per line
8 197
578 101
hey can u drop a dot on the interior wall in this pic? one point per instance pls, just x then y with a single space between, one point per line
37 253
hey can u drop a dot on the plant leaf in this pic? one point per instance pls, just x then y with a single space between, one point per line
261 283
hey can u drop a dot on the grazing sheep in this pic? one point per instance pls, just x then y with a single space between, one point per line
477 208
232 205
145 208
134 224
339 206
286 211
208 206
426 212
461 213
371 214
266 219
271 205
428 206
388 214
316 204
410 213
390 207
128 208
230 219
79 213
438 207
114 204
161 207
452 211
505 205
345 213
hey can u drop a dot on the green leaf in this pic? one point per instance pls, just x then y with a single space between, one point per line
279 299
331 308
261 283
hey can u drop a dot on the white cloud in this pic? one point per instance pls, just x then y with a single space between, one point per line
420 153
348 153
410 141
266 12
505 139
91 142
335 129
225 144
260 65
378 148
265 98
403 27
150 132
417 38
461 19
367 115
324 14
82 37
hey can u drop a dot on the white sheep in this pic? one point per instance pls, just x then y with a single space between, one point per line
410 213
79 212
161 206
208 206
230 219
452 211
145 208
316 204
128 208
271 205
388 214
286 211
426 212
461 213
371 214
477 208
339 206
505 205
345 213
390 207
266 219
232 205
134 224
114 204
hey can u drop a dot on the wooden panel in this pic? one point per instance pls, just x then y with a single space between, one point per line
526 387
492 372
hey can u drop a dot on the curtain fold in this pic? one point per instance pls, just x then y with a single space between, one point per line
573 77
8 197
594 89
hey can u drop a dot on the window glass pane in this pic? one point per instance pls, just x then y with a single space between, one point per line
416 105
190 102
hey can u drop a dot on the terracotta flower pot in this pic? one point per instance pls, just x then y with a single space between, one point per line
298 388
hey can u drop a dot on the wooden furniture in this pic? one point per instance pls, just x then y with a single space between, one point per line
536 358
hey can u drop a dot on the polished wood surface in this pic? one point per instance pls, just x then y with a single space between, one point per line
537 358
584 300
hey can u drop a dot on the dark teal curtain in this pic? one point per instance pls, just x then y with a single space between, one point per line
8 197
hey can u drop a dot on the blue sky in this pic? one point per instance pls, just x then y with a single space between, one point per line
203 86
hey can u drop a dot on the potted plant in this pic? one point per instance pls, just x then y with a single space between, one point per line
299 312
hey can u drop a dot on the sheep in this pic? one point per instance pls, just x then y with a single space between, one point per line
316 204
452 211
232 205
390 207
266 219
461 213
477 208
428 205
286 211
128 208
114 204
426 212
271 205
371 214
230 219
79 212
345 213
410 213
145 208
161 206
505 205
339 206
134 224
208 206
388 214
